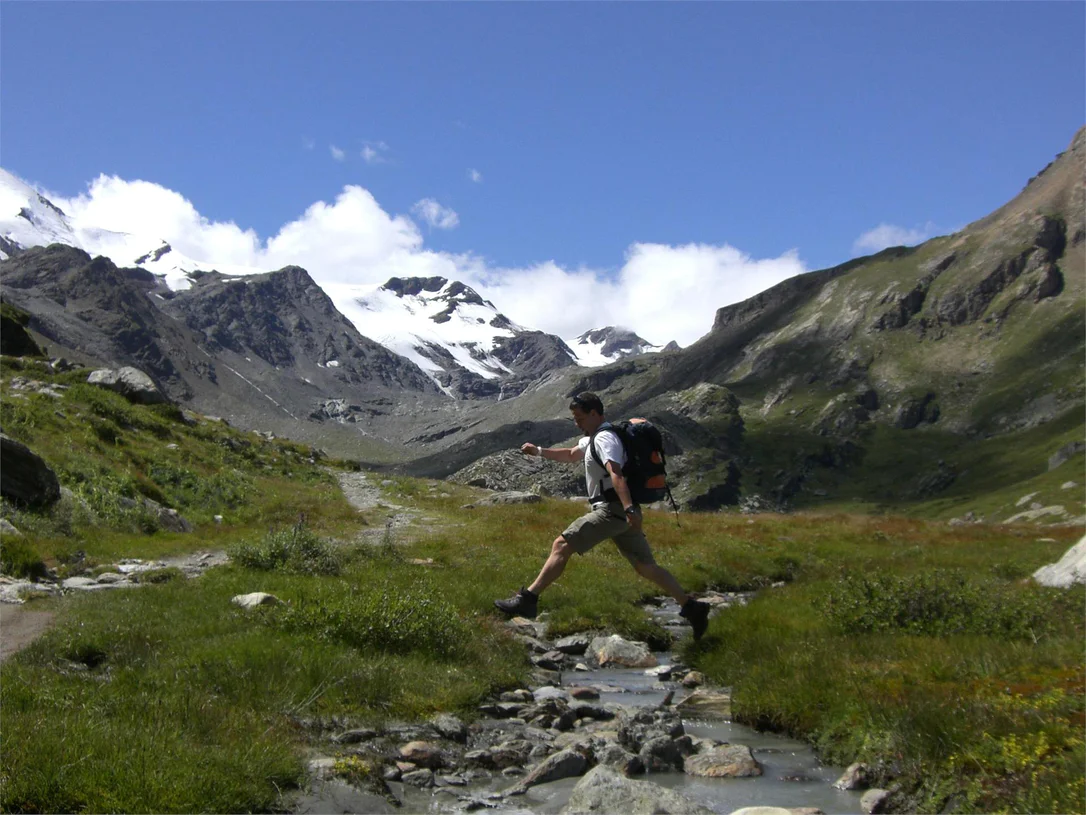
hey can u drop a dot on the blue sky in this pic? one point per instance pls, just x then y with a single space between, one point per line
522 134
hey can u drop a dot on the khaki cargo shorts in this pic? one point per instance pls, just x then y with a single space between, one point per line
608 521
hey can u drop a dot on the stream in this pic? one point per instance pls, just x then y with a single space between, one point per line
793 777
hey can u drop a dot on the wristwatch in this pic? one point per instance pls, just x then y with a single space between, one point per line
630 510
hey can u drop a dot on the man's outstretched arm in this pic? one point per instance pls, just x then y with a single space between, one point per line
566 455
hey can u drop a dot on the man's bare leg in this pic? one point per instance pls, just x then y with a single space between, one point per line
555 565
664 579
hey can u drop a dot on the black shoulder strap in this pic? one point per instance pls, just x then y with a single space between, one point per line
592 444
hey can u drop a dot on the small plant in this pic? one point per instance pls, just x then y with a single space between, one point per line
297 550
19 559
940 603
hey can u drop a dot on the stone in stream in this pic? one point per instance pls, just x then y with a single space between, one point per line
422 753
605 790
874 801
725 761
854 778
450 727
614 650
575 644
563 764
707 703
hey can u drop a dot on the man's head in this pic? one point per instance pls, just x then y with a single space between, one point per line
587 410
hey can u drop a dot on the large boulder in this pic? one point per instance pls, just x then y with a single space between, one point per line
132 383
604 789
725 761
24 476
1068 570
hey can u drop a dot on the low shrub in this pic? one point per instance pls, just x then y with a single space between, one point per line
297 550
19 559
940 603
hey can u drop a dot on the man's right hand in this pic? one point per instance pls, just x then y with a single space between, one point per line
529 449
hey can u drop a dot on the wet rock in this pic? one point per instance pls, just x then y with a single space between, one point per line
614 650
661 754
450 727
874 801
725 761
418 778
563 764
575 644
583 693
605 790
423 754
704 702
693 679
615 756
519 695
548 692
502 710
550 661
354 736
854 778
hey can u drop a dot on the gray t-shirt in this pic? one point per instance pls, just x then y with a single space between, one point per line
609 448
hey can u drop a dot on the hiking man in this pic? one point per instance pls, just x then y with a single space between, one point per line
613 515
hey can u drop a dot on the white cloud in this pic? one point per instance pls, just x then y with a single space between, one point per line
886 235
436 215
374 152
662 292
475 175
337 153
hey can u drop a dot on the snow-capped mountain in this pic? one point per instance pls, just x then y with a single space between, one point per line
28 218
445 327
602 346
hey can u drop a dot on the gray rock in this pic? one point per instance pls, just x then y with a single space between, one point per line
450 727
575 644
422 753
605 790
112 577
24 476
661 754
726 761
79 583
418 778
6 528
254 599
132 383
614 650
705 702
563 764
616 756
1067 571
541 695
874 801
354 736
1065 453
854 778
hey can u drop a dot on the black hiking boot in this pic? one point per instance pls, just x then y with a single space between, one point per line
697 614
521 604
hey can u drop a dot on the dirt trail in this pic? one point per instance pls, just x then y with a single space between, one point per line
20 627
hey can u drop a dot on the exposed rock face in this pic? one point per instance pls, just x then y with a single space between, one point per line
24 475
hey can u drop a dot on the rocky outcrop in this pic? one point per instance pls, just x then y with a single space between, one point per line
14 339
131 383
1067 571
24 476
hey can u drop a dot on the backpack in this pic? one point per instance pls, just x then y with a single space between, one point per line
644 469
